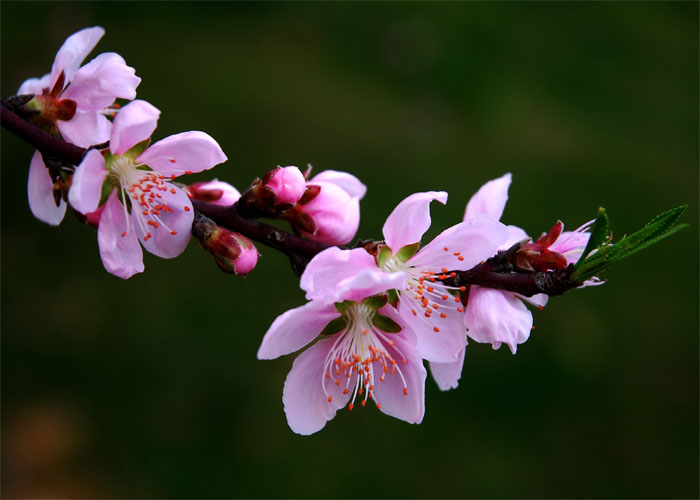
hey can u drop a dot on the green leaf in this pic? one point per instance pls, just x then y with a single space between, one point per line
383 255
386 324
335 326
599 234
660 227
376 302
407 252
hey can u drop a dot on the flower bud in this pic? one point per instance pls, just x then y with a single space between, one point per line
286 185
536 256
216 192
329 211
233 252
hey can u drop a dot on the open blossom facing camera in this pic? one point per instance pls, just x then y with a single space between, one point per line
366 352
141 205
72 101
432 309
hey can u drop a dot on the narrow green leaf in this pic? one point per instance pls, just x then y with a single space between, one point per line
335 326
386 324
599 234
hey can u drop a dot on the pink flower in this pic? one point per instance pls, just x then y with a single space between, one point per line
329 211
141 204
216 192
366 352
431 308
72 100
232 252
497 316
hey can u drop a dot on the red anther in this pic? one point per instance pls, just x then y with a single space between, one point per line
460 309
187 209
381 379
123 234
173 232
446 249
457 299
533 327
427 315
379 405
337 381
345 391
116 105
145 212
444 269
386 369
371 387
436 329
414 312
462 288
430 289
443 315
405 391
351 406
360 391
328 375
365 331
172 160
435 306
172 190
460 258
391 343
453 274
404 361
540 307
187 172
330 399
363 403
444 297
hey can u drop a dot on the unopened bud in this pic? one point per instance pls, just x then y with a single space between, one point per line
233 252
216 192
282 186
536 256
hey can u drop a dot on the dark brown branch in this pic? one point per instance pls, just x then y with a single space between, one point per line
43 141
278 239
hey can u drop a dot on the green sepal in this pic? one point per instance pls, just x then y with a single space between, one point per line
383 255
343 306
138 149
393 297
660 227
407 252
335 326
386 324
376 302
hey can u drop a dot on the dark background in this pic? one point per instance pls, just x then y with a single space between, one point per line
150 387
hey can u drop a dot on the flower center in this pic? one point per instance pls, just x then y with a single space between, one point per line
145 191
361 357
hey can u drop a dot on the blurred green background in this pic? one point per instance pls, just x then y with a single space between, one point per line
150 387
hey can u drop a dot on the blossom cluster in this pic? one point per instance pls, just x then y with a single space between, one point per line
125 186
375 312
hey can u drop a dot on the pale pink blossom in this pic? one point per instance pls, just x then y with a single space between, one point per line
216 192
142 205
496 316
330 211
431 308
367 352
73 101
285 184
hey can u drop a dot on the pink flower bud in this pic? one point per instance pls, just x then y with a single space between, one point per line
216 192
233 252
329 211
286 185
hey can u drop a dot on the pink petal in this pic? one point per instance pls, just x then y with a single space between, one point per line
86 188
163 242
447 375
74 51
490 199
121 255
96 85
515 234
410 406
442 346
34 85
410 219
474 242
366 283
295 328
134 123
40 193
336 213
326 269
85 129
347 182
496 317
539 300
305 403
202 191
191 151
571 244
